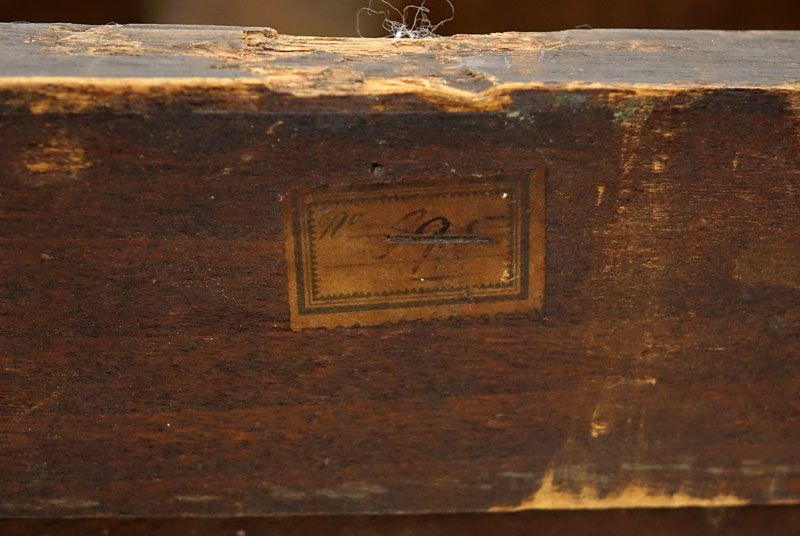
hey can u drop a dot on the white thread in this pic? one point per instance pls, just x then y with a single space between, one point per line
413 22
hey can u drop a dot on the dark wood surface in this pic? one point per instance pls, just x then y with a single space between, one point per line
147 367
739 521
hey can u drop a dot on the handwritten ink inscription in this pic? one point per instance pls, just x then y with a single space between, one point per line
374 253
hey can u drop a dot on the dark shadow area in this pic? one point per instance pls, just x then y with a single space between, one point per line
313 17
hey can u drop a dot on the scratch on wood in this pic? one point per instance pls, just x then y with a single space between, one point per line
632 116
656 467
518 475
549 496
778 483
599 424
288 494
59 156
649 380
196 498
352 490
48 399
72 503
276 124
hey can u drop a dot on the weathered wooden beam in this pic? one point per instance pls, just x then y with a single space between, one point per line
631 339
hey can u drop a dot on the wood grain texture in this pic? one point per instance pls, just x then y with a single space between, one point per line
147 364
741 521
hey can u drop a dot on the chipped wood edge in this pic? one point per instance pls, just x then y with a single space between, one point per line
83 94
550 496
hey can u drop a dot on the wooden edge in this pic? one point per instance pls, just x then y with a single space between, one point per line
740 521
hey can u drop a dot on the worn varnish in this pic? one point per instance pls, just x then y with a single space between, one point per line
148 367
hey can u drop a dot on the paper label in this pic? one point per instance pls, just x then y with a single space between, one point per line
372 253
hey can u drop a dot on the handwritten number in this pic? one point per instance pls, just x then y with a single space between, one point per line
445 225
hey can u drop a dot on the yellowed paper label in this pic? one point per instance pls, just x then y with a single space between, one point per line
372 253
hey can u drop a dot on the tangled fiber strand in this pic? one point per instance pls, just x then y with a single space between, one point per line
412 22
